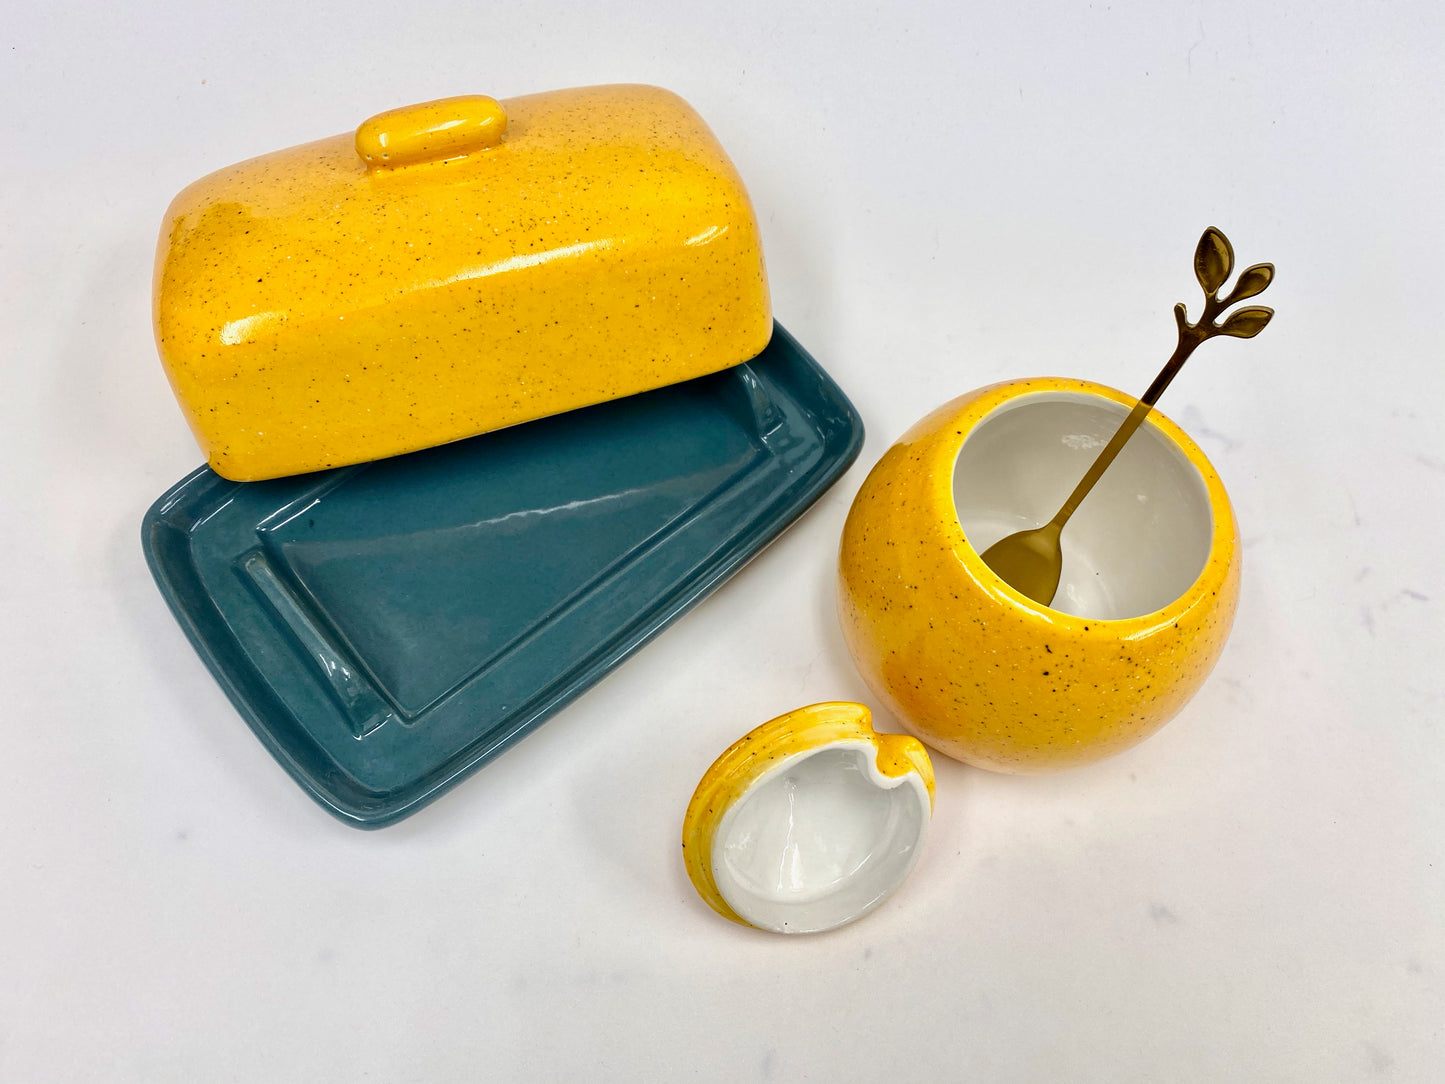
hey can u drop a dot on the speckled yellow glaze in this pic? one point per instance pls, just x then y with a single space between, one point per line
764 750
983 673
452 268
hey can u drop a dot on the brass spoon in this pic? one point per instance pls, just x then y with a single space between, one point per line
1030 561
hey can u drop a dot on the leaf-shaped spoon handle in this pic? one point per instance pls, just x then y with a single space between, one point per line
1030 561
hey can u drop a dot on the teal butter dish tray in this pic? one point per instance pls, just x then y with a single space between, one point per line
388 628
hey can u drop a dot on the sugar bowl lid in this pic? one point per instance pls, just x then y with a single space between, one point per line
809 821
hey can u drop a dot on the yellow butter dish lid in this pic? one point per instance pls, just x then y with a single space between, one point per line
453 268
810 821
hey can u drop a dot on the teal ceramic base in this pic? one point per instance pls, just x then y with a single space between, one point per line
387 629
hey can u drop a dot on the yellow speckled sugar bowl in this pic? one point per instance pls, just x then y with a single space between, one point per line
989 676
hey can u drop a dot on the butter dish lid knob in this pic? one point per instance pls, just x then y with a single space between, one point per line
431 132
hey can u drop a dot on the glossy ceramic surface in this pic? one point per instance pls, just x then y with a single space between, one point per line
978 670
453 268
386 629
808 822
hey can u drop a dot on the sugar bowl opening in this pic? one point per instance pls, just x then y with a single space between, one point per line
1140 539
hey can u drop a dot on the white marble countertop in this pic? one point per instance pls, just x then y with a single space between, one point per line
949 195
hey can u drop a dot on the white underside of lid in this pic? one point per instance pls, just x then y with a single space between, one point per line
820 840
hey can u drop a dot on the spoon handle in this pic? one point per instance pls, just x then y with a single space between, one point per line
1213 261
1126 430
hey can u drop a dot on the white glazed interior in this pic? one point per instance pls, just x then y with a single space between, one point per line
1138 541
820 840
